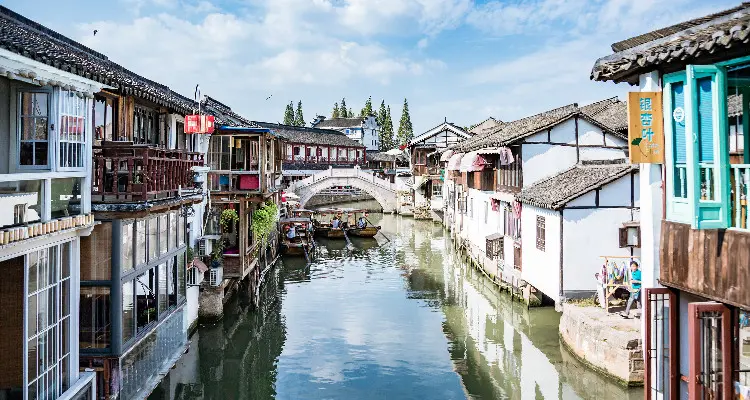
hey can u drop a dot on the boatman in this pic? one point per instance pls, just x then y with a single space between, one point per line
291 234
361 223
335 222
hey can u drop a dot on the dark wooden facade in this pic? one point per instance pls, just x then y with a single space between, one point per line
712 263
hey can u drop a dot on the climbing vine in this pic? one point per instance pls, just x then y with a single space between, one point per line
264 221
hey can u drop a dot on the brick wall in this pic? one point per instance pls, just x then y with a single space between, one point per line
11 323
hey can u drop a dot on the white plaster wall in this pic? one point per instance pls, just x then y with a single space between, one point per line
617 193
565 132
598 153
475 228
612 140
544 160
540 137
541 268
587 200
587 235
589 134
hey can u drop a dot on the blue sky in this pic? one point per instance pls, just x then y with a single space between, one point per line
463 60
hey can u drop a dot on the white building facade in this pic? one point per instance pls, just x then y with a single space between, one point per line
364 130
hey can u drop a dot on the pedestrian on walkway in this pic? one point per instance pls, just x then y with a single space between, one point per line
635 288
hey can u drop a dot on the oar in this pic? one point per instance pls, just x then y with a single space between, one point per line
380 231
307 256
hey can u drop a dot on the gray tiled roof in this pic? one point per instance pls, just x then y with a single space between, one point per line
719 36
383 157
609 114
485 126
224 115
32 40
340 123
734 105
305 135
558 190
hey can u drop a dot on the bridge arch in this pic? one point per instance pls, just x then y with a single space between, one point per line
384 192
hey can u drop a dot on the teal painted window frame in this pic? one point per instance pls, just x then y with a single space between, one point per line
699 213
678 208
708 214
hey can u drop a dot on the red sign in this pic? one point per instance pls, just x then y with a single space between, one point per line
199 124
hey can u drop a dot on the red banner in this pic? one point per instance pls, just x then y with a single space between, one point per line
199 124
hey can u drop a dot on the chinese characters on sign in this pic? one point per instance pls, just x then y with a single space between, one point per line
645 128
199 124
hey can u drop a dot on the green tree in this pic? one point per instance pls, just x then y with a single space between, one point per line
289 114
299 119
405 130
386 132
350 114
367 110
380 119
336 111
344 111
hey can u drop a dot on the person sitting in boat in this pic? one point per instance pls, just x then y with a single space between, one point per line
291 234
361 223
336 223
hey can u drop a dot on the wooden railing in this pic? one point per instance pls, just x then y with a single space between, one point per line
324 160
123 171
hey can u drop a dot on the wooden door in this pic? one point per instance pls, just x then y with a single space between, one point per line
661 377
517 257
710 356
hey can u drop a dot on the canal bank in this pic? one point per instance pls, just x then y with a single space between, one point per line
400 319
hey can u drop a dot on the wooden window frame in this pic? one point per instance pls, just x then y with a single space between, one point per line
50 116
541 232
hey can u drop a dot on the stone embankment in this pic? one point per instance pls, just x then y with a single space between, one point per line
604 341
322 200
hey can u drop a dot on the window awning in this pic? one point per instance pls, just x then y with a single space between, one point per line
446 155
472 162
455 161
506 156
200 265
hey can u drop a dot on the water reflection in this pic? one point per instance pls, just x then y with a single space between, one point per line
398 319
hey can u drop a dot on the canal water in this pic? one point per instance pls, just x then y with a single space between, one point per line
398 319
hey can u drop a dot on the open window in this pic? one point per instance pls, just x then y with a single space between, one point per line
661 330
710 355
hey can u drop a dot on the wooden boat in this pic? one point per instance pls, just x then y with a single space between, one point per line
353 228
302 243
324 226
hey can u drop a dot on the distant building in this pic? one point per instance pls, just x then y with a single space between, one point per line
306 151
486 126
362 129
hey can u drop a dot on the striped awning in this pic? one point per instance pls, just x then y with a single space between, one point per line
472 162
455 162
446 155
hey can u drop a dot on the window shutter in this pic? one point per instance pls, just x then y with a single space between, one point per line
623 237
705 123
678 101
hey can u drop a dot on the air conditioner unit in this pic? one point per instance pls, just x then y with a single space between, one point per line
204 247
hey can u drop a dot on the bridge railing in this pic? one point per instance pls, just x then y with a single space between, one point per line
355 172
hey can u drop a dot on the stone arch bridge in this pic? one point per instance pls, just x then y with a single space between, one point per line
382 190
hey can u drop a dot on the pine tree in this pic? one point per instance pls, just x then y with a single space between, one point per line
381 117
386 132
344 111
336 111
350 114
289 114
405 130
299 119
367 110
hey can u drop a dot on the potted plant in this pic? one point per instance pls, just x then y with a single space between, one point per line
190 253
228 218
217 254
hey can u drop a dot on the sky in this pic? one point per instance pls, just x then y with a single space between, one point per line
460 60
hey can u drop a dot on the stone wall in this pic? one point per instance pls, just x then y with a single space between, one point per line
608 343
330 199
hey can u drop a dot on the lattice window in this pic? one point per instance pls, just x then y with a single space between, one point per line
495 247
540 232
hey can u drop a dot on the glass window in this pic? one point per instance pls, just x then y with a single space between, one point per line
153 238
140 242
145 294
180 229
127 247
96 254
164 234
95 327
72 132
172 230
180 259
105 119
33 122
128 311
172 282
26 199
48 326
163 299
66 197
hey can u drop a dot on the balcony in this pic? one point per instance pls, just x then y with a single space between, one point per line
713 263
124 172
324 160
